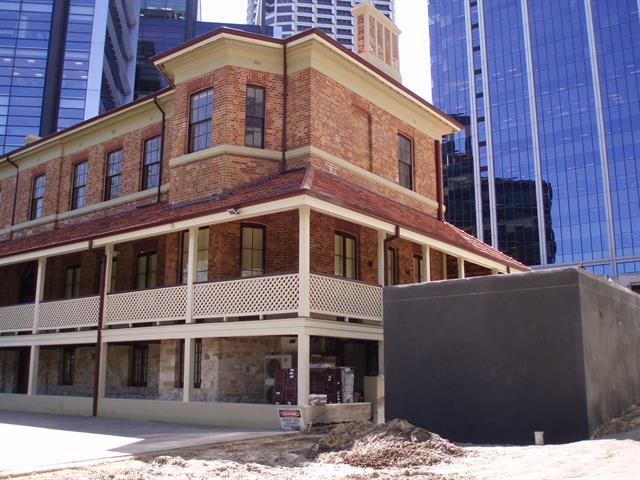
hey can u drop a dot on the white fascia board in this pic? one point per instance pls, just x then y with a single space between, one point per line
67 338
47 252
453 250
348 214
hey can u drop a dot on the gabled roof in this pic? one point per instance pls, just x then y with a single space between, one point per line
308 181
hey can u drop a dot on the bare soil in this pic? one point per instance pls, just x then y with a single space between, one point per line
361 451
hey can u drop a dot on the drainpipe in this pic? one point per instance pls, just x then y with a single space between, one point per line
386 243
162 123
15 194
439 181
96 374
285 93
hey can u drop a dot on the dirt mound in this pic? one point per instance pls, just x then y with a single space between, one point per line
394 444
629 420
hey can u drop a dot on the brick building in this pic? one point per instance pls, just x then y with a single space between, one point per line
154 259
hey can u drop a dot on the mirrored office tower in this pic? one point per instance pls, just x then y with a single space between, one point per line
331 16
62 61
548 166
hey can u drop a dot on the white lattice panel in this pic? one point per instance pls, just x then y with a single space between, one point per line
17 317
250 296
334 296
72 313
156 305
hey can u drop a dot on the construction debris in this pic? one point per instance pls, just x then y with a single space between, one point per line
394 444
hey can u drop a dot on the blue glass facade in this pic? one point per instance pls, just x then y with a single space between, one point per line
75 71
551 93
24 44
165 24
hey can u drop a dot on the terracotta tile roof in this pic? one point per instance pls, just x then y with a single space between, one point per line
311 181
342 192
155 214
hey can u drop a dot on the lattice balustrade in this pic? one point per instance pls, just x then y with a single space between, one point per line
334 296
72 313
250 296
155 305
17 317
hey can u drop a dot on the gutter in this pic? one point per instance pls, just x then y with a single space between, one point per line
386 243
285 94
162 124
15 194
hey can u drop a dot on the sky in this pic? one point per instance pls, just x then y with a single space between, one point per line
411 18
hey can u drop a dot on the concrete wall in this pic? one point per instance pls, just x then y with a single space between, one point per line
493 359
611 339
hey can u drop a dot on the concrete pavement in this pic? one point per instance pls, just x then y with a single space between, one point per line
30 441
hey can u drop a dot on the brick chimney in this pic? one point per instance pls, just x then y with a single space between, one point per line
377 39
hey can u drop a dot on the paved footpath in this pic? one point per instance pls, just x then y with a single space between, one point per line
30 441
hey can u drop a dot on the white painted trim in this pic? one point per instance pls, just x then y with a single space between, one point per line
133 197
226 149
380 254
461 272
34 360
252 328
304 261
42 267
47 252
349 215
426 263
366 174
304 358
454 251
66 338
209 40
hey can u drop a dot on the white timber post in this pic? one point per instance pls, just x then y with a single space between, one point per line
460 267
426 263
494 271
191 274
381 253
304 352
304 256
34 359
187 382
42 266
108 271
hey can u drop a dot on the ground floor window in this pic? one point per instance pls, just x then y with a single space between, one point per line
139 366
417 269
68 366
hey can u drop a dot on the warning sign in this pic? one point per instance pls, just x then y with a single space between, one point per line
290 418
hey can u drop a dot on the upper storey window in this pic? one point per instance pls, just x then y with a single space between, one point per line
79 193
200 120
37 198
151 163
254 118
405 161
114 175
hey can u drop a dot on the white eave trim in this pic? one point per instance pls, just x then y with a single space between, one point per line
267 208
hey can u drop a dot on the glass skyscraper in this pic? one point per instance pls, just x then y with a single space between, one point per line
333 17
61 62
165 24
548 166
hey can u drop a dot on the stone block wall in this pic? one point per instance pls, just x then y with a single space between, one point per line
9 360
50 372
119 372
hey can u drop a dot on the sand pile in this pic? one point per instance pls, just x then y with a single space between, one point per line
629 420
394 444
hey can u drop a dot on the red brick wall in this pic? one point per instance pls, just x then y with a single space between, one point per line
323 228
